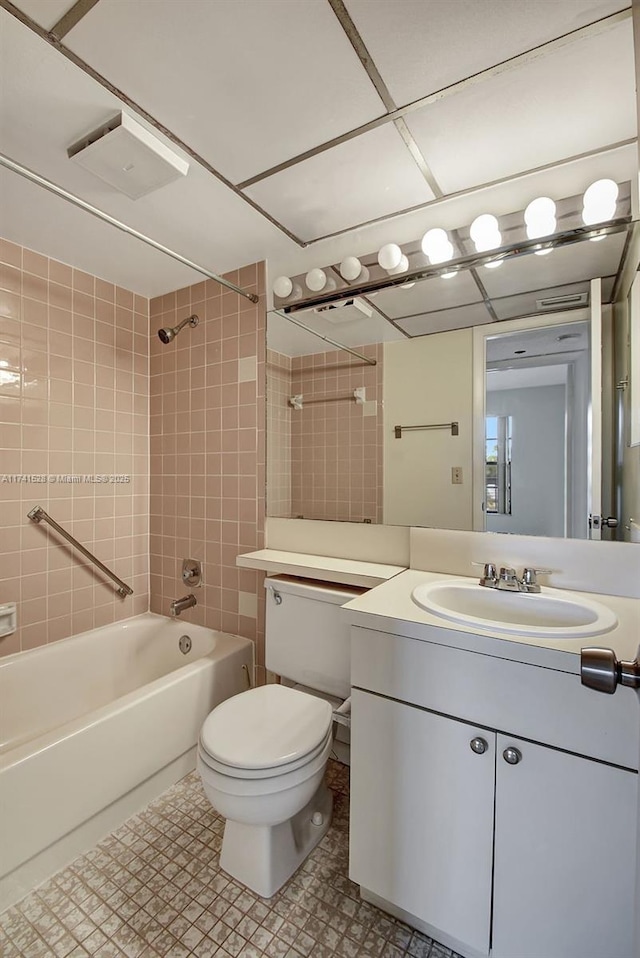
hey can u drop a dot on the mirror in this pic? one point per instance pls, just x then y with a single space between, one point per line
332 455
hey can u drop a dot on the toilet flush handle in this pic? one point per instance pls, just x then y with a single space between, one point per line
277 598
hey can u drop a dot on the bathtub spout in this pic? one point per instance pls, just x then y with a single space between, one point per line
179 605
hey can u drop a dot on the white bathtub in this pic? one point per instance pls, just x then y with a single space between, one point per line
95 726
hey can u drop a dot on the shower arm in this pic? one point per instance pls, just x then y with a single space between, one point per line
46 184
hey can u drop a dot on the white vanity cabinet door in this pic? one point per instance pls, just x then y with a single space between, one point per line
564 856
421 831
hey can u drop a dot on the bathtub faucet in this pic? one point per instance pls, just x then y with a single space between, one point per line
179 605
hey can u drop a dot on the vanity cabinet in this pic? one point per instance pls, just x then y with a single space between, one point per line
517 859
422 823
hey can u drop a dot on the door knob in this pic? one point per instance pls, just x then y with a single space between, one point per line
512 755
478 745
601 670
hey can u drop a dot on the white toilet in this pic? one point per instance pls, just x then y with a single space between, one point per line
262 754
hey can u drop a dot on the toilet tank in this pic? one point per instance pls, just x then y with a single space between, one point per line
307 639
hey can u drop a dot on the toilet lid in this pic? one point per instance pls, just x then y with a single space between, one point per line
266 727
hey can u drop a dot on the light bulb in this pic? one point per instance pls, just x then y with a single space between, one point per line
402 266
494 265
599 202
406 286
540 217
448 275
436 246
485 233
350 268
390 256
316 279
282 287
540 211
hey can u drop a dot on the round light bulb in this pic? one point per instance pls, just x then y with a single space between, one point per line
350 268
434 240
282 287
390 256
483 227
316 279
402 266
540 212
599 202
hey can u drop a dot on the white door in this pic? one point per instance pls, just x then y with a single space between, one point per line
595 433
421 833
565 849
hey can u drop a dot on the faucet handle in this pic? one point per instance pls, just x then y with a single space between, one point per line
530 578
529 574
489 573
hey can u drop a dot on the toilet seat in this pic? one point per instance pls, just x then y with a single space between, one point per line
234 771
265 732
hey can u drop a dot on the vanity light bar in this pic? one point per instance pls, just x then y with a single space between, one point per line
566 238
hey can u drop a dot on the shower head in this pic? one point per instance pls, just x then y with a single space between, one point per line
167 334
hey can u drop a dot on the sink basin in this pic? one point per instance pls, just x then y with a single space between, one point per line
550 613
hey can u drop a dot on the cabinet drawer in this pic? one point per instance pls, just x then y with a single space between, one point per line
536 703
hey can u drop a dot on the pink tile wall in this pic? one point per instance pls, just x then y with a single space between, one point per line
207 432
74 391
336 448
278 434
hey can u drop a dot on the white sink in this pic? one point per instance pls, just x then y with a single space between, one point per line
550 613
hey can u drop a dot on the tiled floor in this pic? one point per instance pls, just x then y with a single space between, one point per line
154 888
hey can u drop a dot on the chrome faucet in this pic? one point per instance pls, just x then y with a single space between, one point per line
508 581
179 605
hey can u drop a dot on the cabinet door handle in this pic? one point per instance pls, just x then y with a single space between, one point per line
512 755
478 745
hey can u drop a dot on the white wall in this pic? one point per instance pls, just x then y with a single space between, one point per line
428 380
538 459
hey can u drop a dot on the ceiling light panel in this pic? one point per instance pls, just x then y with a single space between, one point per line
476 37
45 12
441 321
369 176
579 98
429 294
247 85
580 261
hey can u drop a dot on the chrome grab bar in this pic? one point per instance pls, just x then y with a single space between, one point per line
37 514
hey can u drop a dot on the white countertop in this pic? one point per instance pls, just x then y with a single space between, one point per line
390 608
327 568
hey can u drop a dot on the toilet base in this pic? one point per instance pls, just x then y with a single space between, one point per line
263 857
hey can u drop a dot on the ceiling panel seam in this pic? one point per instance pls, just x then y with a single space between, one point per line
72 17
50 38
470 191
534 53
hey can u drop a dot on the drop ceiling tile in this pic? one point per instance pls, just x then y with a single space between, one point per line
576 99
369 176
46 13
47 102
571 264
422 47
441 321
247 85
430 294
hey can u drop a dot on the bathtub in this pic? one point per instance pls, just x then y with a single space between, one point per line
95 726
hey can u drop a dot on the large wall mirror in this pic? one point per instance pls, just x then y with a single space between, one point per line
519 379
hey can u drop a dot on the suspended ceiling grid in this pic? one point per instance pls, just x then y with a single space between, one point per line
274 102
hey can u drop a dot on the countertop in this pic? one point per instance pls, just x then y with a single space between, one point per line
327 568
389 608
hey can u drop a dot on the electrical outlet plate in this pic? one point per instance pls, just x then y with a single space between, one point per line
456 475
